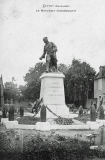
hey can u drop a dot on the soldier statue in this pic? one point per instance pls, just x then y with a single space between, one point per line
51 60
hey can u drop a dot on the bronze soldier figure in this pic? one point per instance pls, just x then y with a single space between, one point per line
51 60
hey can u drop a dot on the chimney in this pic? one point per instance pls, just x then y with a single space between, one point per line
100 71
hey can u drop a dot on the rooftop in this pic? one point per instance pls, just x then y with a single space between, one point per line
101 73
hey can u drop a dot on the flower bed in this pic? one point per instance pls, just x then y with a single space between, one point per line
32 120
63 121
28 120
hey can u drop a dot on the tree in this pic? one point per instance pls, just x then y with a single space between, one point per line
21 89
63 68
79 82
32 78
10 92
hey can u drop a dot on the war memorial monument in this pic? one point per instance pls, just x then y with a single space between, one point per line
52 82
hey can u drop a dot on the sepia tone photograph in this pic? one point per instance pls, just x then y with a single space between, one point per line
52 80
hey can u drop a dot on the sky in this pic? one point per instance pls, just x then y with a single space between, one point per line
78 34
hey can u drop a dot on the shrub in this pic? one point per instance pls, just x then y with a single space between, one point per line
52 147
60 148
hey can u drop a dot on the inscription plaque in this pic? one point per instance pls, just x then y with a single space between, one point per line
52 89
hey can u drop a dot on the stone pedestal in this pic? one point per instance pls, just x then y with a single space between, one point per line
10 124
3 120
52 92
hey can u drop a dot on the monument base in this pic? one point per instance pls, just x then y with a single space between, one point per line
59 110
52 92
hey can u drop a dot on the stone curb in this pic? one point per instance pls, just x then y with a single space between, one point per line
101 121
45 126
23 126
74 127
94 125
48 127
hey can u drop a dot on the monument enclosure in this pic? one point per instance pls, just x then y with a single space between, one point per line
52 92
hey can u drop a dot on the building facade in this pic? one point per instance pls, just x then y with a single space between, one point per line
99 86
